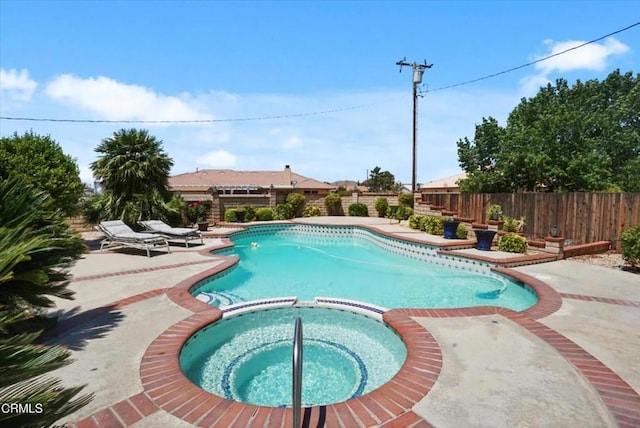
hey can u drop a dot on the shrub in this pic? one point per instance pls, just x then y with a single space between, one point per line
512 224
297 201
91 209
512 243
381 204
434 225
461 232
403 212
264 214
630 243
406 199
423 222
283 211
249 214
311 211
343 191
414 221
358 210
333 202
391 211
230 215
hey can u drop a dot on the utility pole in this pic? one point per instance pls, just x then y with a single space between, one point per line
418 70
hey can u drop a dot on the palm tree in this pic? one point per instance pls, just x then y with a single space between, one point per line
132 162
36 247
134 172
43 400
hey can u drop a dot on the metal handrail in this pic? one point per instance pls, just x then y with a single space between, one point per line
297 373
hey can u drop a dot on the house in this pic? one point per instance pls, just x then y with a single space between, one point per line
351 185
444 185
228 188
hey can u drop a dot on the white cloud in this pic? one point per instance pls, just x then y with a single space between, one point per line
327 147
16 84
594 56
113 100
530 85
590 57
292 143
211 136
217 159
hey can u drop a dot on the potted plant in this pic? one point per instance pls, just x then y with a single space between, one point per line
494 212
198 213
484 238
450 227
240 215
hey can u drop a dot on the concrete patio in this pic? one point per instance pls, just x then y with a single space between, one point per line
577 365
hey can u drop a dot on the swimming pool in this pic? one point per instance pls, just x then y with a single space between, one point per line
248 357
353 263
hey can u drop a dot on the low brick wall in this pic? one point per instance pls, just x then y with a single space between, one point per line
590 248
78 224
536 243
369 199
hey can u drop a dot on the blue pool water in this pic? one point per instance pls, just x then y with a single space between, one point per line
248 357
354 268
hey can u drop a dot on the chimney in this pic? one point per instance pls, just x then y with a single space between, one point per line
287 175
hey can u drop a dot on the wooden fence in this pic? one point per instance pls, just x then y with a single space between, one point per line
581 217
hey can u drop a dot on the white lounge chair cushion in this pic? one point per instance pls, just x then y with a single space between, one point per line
116 229
162 227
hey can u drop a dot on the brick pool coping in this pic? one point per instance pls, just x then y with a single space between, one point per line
166 388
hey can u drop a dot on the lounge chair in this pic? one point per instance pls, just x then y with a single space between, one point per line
162 228
119 234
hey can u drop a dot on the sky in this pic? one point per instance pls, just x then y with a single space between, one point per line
311 84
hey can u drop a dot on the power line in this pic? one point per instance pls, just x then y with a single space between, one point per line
536 61
238 119
317 113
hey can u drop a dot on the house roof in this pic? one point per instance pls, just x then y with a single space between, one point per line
447 182
350 185
220 178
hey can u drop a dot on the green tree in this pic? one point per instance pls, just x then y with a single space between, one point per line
41 161
479 158
584 137
134 172
381 181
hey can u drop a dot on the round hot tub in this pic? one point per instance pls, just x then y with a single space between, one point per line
248 357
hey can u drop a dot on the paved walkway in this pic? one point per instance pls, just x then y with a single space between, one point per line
573 361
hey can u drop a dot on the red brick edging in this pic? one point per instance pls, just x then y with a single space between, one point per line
166 387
